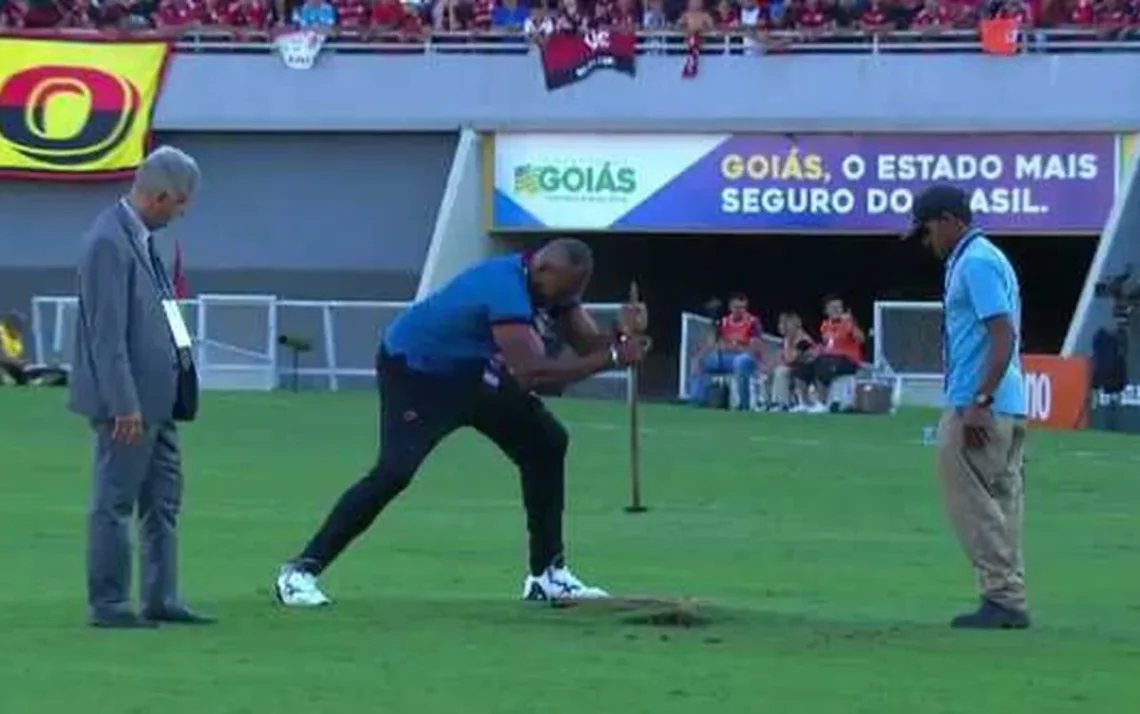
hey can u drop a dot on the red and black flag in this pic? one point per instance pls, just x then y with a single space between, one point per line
571 57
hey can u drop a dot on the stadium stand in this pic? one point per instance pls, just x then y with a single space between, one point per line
726 26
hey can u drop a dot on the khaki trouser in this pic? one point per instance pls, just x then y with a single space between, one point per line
985 497
781 385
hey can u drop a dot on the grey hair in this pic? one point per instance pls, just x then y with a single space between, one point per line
167 170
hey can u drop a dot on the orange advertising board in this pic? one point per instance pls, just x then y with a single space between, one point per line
1056 390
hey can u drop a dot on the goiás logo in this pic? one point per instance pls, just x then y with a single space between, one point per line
66 116
90 115
602 181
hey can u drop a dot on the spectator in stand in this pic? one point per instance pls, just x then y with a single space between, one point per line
211 13
875 19
247 14
756 22
539 25
314 16
935 16
845 13
42 14
797 350
571 18
735 350
1115 17
1083 14
509 16
352 16
1016 10
11 14
654 19
812 20
625 16
389 15
695 20
725 17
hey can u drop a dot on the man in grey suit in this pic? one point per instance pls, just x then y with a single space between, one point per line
133 378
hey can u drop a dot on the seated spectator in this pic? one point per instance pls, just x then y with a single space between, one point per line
314 15
875 19
840 354
695 20
509 16
935 16
571 18
725 16
14 368
812 19
539 24
734 350
654 19
42 14
797 351
352 16
248 14
626 17
1083 14
11 14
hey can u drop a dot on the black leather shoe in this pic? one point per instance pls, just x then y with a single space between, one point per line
992 616
178 616
123 620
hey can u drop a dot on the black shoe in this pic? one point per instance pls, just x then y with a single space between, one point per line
992 616
178 615
121 620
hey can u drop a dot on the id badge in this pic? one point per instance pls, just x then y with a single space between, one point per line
177 325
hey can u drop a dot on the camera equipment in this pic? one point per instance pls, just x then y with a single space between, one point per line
1110 348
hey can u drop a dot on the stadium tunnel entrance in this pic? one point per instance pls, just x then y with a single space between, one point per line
793 272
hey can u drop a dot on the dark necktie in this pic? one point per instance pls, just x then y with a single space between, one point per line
157 266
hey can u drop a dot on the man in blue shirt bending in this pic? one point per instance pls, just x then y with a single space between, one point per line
469 355
981 436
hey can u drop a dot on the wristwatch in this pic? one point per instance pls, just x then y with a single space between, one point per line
985 401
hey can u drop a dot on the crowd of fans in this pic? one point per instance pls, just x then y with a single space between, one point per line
539 17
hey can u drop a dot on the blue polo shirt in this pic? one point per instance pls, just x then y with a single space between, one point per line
450 330
980 283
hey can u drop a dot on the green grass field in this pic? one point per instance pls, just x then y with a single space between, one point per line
815 545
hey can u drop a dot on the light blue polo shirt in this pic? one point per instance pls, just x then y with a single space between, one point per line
450 330
980 283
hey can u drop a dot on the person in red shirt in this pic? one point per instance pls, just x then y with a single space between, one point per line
874 19
726 17
1083 13
735 350
352 15
247 14
813 19
935 15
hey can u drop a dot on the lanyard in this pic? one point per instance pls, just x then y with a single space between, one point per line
951 263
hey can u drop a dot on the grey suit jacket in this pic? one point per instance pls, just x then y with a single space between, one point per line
125 360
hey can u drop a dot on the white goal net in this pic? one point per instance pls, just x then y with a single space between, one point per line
908 340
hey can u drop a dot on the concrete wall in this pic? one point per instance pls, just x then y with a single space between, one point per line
824 92
303 215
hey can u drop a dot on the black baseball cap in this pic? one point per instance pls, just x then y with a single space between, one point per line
937 201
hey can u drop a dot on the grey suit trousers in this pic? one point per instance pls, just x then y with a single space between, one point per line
145 477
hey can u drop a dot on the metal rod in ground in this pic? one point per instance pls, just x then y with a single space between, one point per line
632 403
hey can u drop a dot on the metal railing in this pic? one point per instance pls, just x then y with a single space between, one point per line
230 41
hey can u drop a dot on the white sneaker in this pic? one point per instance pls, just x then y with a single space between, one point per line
818 408
296 588
559 584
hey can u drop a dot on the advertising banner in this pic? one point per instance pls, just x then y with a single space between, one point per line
1056 390
826 183
76 109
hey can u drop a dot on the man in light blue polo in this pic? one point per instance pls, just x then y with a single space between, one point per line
981 435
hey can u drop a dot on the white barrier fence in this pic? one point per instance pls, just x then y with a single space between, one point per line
238 338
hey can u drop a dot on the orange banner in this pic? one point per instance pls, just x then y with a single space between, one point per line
1056 390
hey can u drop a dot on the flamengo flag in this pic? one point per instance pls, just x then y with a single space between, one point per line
999 36
181 287
569 58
